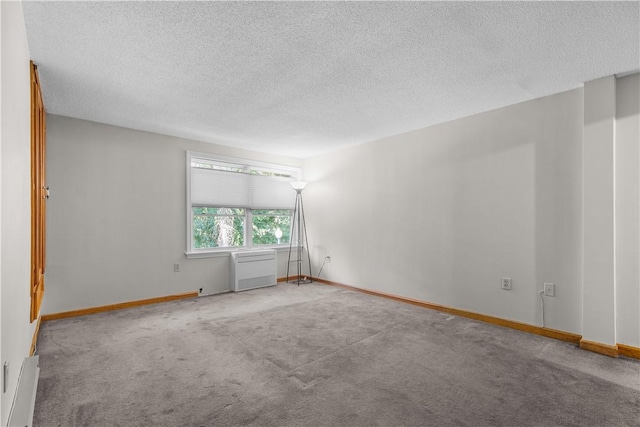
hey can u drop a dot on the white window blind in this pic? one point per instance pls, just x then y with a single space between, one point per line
210 187
272 192
220 185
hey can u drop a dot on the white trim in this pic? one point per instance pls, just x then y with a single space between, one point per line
207 254
248 232
225 252
189 216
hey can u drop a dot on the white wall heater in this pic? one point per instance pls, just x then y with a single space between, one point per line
253 269
21 412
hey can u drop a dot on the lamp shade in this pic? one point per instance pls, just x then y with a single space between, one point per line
298 185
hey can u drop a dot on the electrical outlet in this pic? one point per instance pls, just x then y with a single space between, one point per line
506 283
550 289
329 258
176 267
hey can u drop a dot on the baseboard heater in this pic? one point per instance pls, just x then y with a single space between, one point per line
21 413
253 269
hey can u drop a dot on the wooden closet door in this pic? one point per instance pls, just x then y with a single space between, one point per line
39 193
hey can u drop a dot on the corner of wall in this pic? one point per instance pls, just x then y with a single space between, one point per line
15 200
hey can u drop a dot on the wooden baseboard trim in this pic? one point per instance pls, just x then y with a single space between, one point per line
34 339
537 330
290 279
608 350
120 306
629 351
596 347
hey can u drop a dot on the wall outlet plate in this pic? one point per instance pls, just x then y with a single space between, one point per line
506 283
550 289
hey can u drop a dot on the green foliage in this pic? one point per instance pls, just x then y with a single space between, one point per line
266 223
224 227
218 227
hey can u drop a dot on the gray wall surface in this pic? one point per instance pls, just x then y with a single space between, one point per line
117 216
628 209
15 199
442 213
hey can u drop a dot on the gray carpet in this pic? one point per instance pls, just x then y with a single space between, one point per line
317 355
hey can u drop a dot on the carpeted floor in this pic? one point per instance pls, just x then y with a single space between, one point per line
317 355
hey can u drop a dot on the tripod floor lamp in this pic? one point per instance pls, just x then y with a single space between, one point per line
300 228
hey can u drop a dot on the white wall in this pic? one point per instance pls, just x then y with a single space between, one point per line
2 59
15 197
116 216
611 289
442 213
599 293
627 196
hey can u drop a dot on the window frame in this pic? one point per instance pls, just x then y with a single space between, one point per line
234 162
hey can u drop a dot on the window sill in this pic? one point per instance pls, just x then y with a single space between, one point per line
218 253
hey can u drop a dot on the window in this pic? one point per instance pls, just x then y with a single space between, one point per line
235 203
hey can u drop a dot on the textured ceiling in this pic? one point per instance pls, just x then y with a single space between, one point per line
299 78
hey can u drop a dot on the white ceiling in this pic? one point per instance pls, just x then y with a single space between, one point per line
300 78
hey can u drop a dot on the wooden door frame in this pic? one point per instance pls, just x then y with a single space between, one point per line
39 194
